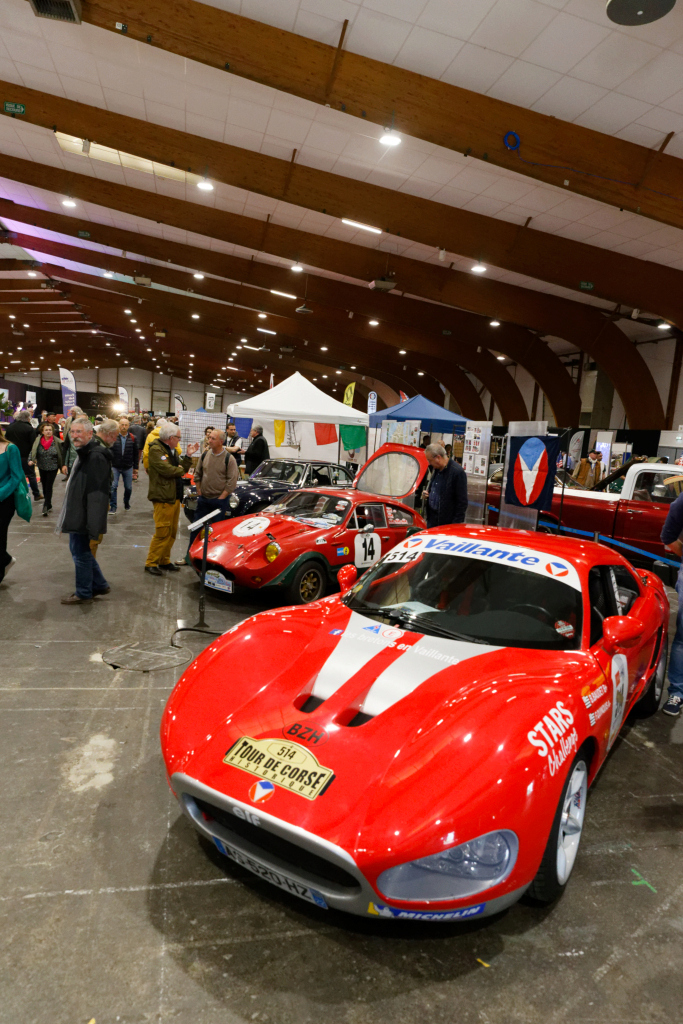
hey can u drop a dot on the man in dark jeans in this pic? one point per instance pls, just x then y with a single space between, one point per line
125 457
84 512
215 477
22 434
447 495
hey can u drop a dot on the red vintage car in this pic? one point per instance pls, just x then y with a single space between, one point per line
300 543
420 746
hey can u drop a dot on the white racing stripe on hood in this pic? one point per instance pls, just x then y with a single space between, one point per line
421 661
357 646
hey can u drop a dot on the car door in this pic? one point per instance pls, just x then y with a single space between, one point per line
398 521
340 477
639 602
640 519
368 547
613 690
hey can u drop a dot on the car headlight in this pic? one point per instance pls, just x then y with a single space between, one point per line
272 551
233 501
452 874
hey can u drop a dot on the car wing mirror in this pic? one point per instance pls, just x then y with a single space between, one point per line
621 631
369 528
346 577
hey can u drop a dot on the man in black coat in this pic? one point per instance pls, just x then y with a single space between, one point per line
22 434
447 496
84 512
258 451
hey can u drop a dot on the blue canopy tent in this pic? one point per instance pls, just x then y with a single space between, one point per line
432 417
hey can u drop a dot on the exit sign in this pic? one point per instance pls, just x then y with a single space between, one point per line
587 286
84 234
14 108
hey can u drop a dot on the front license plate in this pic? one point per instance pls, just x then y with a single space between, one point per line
274 877
217 581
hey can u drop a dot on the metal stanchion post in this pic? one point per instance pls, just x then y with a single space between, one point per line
200 626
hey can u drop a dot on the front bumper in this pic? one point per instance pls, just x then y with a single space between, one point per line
305 859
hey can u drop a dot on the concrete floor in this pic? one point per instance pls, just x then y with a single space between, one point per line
113 909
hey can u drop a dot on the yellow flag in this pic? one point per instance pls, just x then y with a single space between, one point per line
348 394
279 426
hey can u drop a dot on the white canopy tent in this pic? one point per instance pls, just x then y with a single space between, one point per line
297 399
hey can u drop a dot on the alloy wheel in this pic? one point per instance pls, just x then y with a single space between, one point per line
571 823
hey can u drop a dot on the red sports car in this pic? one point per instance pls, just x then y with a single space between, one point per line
301 543
420 746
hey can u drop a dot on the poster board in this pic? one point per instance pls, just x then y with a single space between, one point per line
475 462
193 425
400 432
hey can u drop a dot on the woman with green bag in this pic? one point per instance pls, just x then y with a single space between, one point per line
13 497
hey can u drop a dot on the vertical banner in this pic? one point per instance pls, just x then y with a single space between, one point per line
279 431
531 476
137 405
210 400
575 448
514 515
372 402
348 394
403 397
179 404
66 379
123 398
272 380
475 462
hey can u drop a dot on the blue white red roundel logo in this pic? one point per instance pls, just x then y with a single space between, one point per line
530 471
557 569
261 791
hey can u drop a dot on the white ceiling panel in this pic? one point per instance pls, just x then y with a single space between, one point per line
512 25
564 42
476 68
523 83
614 60
427 52
657 81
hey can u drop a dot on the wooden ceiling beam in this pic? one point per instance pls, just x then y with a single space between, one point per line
516 342
602 167
537 254
482 364
583 325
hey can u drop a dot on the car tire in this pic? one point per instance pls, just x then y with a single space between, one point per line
652 697
565 835
309 583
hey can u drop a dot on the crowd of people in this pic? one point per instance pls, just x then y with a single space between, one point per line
93 458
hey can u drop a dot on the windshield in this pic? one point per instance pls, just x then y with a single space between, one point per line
279 469
394 474
329 509
474 599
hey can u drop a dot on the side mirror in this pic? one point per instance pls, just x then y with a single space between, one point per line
368 529
621 631
346 577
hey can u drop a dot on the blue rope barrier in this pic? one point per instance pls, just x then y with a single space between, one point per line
604 540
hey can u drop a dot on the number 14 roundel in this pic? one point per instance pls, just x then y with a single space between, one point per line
531 471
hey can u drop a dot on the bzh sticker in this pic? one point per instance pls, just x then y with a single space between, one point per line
619 694
551 738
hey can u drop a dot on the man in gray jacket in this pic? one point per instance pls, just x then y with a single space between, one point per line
84 512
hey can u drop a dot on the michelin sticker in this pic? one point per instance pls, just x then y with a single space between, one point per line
367 549
619 694
251 527
381 910
522 558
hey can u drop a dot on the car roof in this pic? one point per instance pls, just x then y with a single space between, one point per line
307 462
581 553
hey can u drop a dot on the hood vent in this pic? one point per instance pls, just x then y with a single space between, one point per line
58 10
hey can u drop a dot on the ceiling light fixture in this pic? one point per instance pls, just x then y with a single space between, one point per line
32 273
420 373
478 268
107 273
663 327
361 227
195 316
353 367
262 316
68 202
264 330
495 323
501 358
390 138
337 371
128 311
284 295
374 323
205 185
323 348
401 351
198 276
297 268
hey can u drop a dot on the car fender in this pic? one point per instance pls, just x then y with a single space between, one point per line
287 575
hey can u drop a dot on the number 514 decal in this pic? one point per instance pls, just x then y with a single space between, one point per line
367 550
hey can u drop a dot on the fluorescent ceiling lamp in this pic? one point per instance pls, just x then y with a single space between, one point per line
495 323
205 185
264 330
297 268
362 227
262 316
68 202
374 323
390 138
285 295
478 268
199 277
195 316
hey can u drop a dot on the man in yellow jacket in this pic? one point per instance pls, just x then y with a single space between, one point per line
166 471
152 436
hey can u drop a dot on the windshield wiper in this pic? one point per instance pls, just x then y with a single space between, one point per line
416 621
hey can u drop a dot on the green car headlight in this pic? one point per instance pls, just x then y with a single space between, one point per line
272 551
455 873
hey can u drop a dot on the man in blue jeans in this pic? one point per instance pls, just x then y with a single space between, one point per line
670 536
215 477
125 455
84 511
